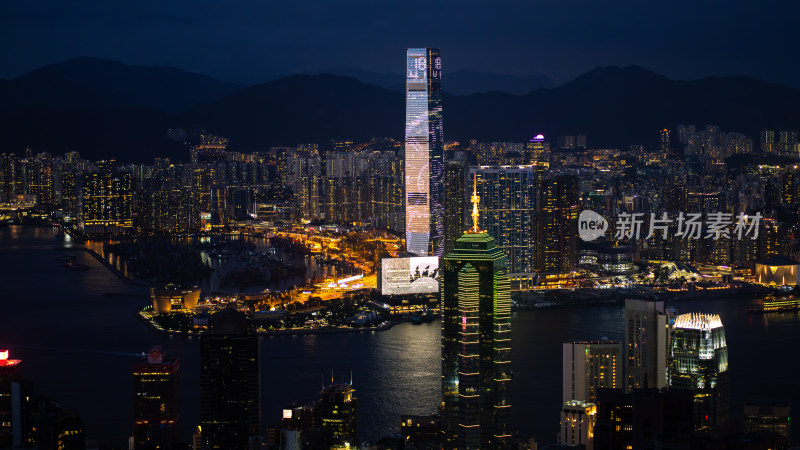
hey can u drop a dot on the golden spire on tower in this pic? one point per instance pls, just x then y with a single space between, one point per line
475 199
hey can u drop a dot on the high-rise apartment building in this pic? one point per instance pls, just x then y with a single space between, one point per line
557 225
647 343
508 210
773 417
229 382
577 424
386 190
664 143
476 343
175 211
304 173
589 366
156 407
455 202
787 144
107 201
768 142
699 362
424 153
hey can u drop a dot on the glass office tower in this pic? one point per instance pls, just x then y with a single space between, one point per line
699 362
508 210
476 343
230 382
424 153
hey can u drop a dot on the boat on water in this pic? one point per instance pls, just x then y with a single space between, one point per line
74 266
422 318
773 303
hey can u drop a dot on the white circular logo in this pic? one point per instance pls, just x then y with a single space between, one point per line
591 225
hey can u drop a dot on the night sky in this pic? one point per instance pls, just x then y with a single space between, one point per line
254 41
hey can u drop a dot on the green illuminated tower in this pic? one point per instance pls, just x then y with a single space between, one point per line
476 342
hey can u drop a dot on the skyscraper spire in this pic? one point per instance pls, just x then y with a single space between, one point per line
476 343
475 200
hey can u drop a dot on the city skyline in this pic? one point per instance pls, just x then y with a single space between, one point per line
244 180
262 265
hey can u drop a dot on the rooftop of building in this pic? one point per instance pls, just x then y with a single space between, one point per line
338 388
172 289
6 362
156 357
229 321
779 260
698 321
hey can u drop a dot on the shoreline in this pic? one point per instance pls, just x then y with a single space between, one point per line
108 266
309 331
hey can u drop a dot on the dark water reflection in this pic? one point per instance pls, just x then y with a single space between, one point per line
223 266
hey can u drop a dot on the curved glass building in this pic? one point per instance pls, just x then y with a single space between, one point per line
699 362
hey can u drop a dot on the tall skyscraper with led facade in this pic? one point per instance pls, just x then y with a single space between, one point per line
424 153
699 362
476 343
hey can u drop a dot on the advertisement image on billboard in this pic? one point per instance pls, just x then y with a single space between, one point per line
416 275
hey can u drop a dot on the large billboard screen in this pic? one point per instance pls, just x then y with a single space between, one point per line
417 275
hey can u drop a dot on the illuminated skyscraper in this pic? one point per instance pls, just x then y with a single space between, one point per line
699 362
107 200
424 153
557 230
476 342
508 209
455 202
337 411
155 401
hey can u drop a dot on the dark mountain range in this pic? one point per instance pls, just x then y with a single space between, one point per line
612 106
466 82
127 135
301 108
460 82
392 81
91 83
